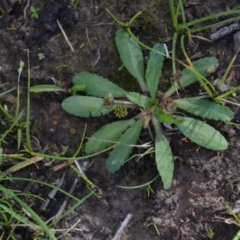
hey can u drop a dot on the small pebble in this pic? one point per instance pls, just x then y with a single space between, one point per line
55 123
73 131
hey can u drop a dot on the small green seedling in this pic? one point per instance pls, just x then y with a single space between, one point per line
153 223
210 234
41 56
75 3
34 12
12 28
154 108
2 12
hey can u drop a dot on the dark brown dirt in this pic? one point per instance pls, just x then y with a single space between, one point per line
204 181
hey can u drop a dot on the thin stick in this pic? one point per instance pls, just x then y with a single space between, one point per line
123 225
25 9
63 206
233 103
88 39
79 168
52 194
70 229
65 36
98 58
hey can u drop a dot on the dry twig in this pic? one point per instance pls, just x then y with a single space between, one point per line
65 36
25 9
123 225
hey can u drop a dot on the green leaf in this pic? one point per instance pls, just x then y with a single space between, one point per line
141 100
154 69
201 66
162 117
202 134
163 156
188 77
205 109
120 153
97 86
77 88
84 106
131 56
46 88
107 136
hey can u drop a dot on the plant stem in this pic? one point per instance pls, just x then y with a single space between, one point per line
115 19
184 51
174 43
134 18
142 44
28 137
81 143
157 126
15 122
173 15
223 79
180 4
7 114
226 94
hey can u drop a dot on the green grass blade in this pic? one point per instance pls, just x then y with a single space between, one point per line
46 88
211 17
124 147
42 183
216 24
163 156
84 106
205 109
174 16
19 137
203 134
227 94
97 86
7 91
34 216
15 215
131 56
107 135
154 69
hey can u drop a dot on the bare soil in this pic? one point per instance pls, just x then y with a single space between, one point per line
204 181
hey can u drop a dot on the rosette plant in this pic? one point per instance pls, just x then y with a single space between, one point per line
155 109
